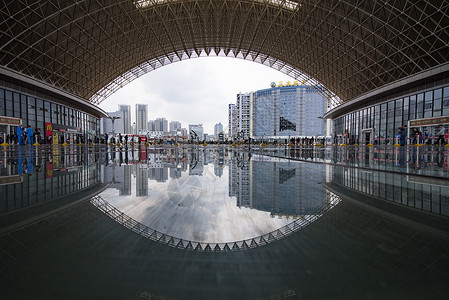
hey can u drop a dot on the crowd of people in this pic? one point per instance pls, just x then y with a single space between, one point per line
417 137
23 136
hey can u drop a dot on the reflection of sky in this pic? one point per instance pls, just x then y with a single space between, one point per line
195 208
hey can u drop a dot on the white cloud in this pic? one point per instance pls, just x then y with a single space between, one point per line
196 90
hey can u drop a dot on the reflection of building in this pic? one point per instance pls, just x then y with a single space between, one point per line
279 188
126 187
288 187
118 177
196 163
158 174
175 172
233 175
141 181
48 185
219 163
430 194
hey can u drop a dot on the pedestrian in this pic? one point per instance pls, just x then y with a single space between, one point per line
440 135
38 136
416 135
30 134
20 135
402 136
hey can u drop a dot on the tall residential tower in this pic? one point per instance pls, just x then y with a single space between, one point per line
126 109
141 117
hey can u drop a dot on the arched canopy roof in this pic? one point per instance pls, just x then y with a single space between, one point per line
91 48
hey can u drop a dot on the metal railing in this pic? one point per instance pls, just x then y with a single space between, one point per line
331 201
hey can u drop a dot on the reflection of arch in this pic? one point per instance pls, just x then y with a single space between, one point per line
331 201
92 48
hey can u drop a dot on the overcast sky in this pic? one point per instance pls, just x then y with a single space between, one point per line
195 90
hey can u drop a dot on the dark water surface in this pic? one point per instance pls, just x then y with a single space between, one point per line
223 223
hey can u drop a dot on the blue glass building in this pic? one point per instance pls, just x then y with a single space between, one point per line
285 111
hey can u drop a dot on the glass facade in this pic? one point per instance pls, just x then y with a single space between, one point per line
38 113
406 190
288 111
380 123
51 179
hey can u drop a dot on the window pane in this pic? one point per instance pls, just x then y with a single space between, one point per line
446 101
428 104
412 107
2 102
420 106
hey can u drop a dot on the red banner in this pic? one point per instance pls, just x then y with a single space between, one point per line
11 121
49 169
48 129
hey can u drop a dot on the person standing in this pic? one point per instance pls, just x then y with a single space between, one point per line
402 136
416 135
30 134
440 135
20 135
38 136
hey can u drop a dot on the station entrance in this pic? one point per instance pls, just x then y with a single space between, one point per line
430 131
367 136
8 129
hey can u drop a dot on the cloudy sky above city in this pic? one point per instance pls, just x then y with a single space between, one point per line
196 90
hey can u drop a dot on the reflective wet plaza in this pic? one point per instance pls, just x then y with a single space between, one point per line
220 222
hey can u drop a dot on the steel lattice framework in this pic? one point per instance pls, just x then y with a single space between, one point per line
91 48
331 200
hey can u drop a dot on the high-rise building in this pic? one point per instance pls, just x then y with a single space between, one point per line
184 132
233 121
217 129
175 126
151 125
288 111
126 109
161 124
243 114
197 130
141 118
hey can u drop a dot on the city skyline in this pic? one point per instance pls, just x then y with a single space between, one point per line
196 90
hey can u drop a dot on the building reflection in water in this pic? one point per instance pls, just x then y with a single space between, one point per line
426 193
33 183
222 196
89 244
275 185
416 177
